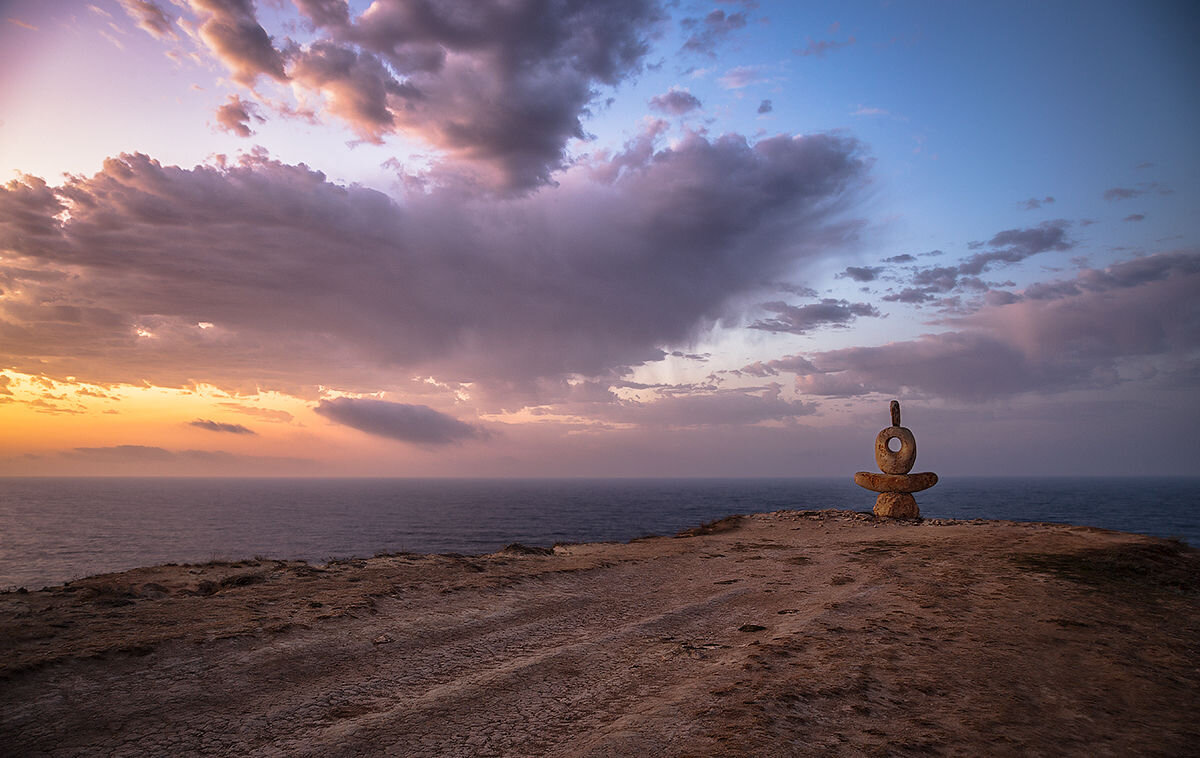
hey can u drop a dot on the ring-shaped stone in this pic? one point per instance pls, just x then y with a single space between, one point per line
900 461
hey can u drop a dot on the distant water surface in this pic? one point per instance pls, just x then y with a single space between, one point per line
58 529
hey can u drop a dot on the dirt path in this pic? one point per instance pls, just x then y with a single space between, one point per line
780 634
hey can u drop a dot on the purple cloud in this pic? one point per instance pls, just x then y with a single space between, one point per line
789 364
804 318
1132 319
1121 193
231 30
218 426
1008 246
1033 203
500 87
820 47
708 32
675 101
418 424
708 408
861 273
235 116
301 282
150 18
741 76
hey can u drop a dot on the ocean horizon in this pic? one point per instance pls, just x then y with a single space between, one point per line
58 529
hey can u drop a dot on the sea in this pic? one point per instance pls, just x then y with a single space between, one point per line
55 530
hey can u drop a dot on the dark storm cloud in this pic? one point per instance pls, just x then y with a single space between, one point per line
708 32
675 101
261 274
150 18
217 426
235 116
418 424
499 85
802 319
1133 319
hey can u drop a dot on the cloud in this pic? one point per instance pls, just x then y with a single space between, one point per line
418 424
499 87
303 282
675 101
230 29
150 18
1103 328
861 273
1121 193
334 13
266 414
1135 217
741 76
708 408
804 318
137 460
1033 203
902 258
235 115
1008 246
790 364
217 426
127 453
709 32
765 107
820 47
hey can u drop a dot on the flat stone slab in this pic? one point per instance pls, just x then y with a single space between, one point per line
895 482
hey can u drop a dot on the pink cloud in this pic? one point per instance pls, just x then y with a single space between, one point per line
1129 321
300 282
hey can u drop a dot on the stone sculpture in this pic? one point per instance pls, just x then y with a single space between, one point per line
895 485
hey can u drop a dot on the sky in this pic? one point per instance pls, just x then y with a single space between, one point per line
559 238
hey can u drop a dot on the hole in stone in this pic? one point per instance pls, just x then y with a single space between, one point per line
894 444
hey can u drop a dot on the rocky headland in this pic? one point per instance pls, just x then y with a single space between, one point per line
790 633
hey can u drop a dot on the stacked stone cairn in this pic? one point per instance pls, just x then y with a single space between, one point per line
895 485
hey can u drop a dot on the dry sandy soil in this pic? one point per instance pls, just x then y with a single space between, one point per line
793 633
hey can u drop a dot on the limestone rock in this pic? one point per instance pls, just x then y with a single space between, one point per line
895 482
896 505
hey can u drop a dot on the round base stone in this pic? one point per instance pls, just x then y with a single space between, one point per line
896 505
